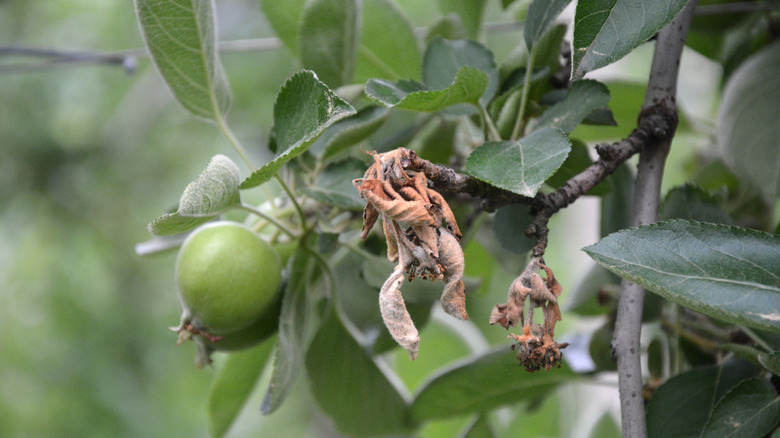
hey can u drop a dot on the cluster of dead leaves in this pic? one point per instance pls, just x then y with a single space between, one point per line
422 236
536 347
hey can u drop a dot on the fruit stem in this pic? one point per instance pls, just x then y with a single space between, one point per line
294 201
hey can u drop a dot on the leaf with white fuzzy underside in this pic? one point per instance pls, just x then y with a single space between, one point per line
180 37
726 272
214 192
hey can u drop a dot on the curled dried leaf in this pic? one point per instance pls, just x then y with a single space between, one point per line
453 299
386 200
446 212
395 315
536 347
422 236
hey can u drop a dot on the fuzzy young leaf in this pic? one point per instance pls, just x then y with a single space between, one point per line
726 272
215 191
382 57
304 108
482 384
352 390
467 87
180 37
540 14
233 383
296 328
605 31
748 132
328 39
582 99
682 405
522 166
285 19
444 60
751 408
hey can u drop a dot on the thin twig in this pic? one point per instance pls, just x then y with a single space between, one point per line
660 111
128 59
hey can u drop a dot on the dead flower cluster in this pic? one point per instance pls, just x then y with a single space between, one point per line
536 347
422 236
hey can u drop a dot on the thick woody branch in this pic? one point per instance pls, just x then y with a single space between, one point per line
659 102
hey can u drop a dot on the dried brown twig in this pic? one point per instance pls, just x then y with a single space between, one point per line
536 347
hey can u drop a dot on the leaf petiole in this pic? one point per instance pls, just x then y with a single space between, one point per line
524 97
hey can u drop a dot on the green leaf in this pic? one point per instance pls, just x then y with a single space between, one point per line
285 19
352 390
509 226
584 299
540 14
522 166
481 384
304 108
725 272
214 192
750 409
333 185
770 361
296 328
233 383
349 131
681 406
467 87
328 40
480 428
470 12
380 56
444 60
605 31
179 35
625 103
693 203
606 428
748 132
582 99
577 161
616 206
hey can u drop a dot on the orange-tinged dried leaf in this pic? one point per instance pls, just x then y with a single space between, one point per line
397 209
370 215
392 241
